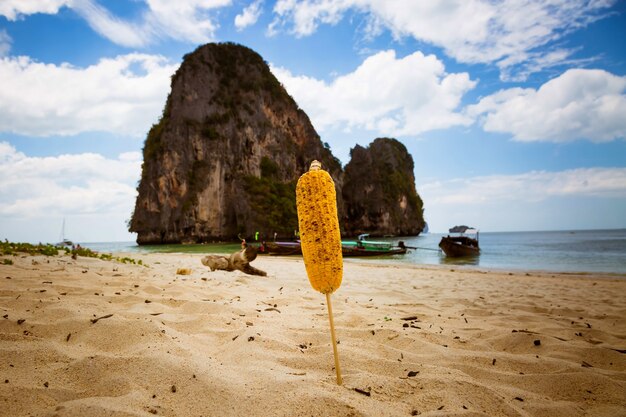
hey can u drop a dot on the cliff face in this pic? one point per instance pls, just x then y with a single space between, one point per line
225 157
379 191
226 154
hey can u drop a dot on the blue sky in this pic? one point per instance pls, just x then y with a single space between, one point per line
514 111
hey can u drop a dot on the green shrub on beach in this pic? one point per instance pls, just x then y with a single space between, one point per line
11 248
88 253
106 256
85 252
127 260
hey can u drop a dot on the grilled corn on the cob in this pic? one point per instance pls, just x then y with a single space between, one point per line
319 229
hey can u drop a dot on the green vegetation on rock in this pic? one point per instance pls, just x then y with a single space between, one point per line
273 202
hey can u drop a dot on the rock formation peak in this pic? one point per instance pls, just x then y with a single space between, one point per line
224 158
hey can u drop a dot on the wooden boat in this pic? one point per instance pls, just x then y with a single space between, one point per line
355 251
460 245
364 247
361 247
282 248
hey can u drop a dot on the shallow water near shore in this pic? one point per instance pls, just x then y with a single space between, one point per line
559 251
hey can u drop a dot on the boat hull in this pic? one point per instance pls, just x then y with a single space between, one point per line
283 248
294 248
351 251
457 247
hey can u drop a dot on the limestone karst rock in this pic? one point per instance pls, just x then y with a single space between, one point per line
379 191
224 158
225 155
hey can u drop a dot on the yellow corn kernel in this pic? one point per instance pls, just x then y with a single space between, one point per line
320 237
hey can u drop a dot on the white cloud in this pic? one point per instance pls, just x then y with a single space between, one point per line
504 32
14 9
67 184
521 66
109 26
393 96
579 104
531 186
537 200
185 20
5 43
248 16
44 99
307 15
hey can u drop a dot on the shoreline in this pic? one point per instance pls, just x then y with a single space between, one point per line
384 263
475 268
417 339
519 255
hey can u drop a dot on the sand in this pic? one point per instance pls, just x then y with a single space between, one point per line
89 337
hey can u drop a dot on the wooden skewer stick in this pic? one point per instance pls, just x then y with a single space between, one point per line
333 338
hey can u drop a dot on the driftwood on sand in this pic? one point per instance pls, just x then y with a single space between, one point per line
237 261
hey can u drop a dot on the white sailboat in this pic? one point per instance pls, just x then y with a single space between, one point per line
63 240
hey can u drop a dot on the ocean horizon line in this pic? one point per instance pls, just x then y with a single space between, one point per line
393 236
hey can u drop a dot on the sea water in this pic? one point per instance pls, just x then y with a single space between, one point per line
557 251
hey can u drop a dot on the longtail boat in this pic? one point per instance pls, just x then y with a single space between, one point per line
360 247
282 248
459 245
363 247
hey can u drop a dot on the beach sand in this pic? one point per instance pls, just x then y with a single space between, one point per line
413 340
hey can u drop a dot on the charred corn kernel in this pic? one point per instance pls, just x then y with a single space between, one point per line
320 237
